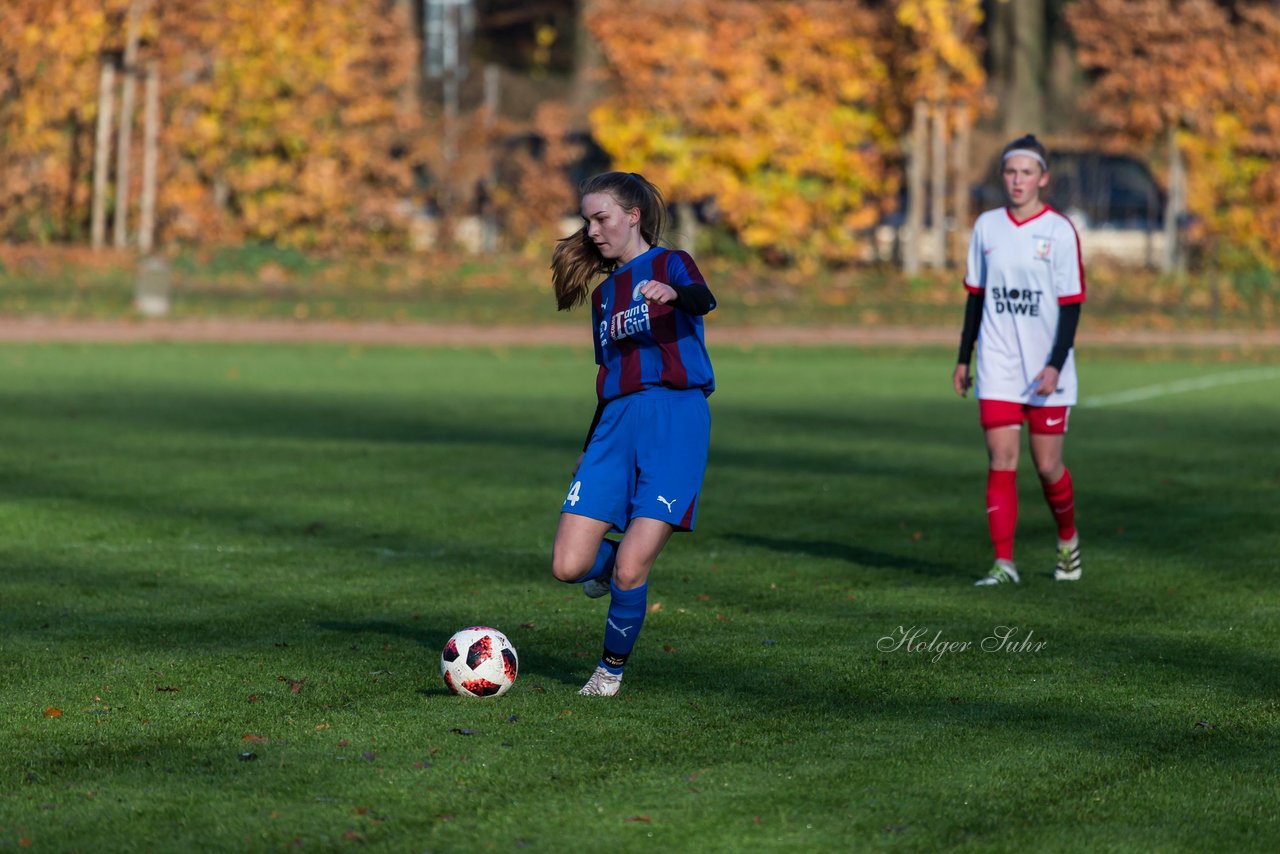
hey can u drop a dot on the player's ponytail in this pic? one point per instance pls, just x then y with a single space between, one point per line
576 261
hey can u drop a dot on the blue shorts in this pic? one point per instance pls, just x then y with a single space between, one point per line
646 458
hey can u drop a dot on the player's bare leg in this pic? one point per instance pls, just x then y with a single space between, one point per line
576 546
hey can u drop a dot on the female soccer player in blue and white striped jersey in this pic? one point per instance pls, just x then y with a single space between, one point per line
1026 284
640 473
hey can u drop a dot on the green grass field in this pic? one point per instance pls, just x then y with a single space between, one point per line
215 551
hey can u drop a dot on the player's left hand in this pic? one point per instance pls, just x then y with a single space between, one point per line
657 292
1048 379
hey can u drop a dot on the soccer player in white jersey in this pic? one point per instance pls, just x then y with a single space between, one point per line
1026 283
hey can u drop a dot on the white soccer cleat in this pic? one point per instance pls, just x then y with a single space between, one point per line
602 684
1069 567
1004 572
596 587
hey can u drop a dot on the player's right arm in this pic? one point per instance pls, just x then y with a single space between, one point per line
974 283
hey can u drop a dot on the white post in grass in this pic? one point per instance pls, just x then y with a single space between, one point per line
151 297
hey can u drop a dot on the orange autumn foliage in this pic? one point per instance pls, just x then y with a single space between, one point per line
282 120
788 115
1208 72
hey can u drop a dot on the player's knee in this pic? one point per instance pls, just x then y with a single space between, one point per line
1003 461
629 577
1050 473
566 566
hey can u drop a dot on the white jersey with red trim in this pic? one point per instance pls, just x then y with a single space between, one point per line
1025 270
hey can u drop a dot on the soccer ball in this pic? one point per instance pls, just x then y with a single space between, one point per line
478 662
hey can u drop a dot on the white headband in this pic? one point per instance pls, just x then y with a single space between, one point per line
1026 152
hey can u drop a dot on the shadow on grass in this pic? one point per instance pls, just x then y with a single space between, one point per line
848 553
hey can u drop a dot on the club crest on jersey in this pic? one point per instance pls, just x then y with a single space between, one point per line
1043 246
635 292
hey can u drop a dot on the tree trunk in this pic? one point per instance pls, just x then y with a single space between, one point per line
150 144
588 66
102 154
1174 206
1024 109
687 224
960 190
999 31
124 142
938 189
919 144
411 91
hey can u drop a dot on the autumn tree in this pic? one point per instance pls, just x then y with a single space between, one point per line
283 121
50 55
1207 73
775 110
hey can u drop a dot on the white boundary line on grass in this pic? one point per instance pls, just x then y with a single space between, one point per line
1182 386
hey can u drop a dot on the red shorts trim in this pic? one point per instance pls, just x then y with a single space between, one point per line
1044 420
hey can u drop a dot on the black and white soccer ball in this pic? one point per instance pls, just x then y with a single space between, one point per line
478 661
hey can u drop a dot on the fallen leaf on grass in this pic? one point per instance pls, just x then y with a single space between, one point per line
344 742
655 607
638 818
52 712
166 689
320 727
255 739
666 647
295 685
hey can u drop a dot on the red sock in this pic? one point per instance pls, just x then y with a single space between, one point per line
1062 502
1002 510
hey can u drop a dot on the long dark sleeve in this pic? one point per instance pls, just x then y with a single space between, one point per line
693 299
1068 320
972 321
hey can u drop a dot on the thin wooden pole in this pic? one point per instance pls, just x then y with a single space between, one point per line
150 156
124 141
102 154
938 188
960 190
915 189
